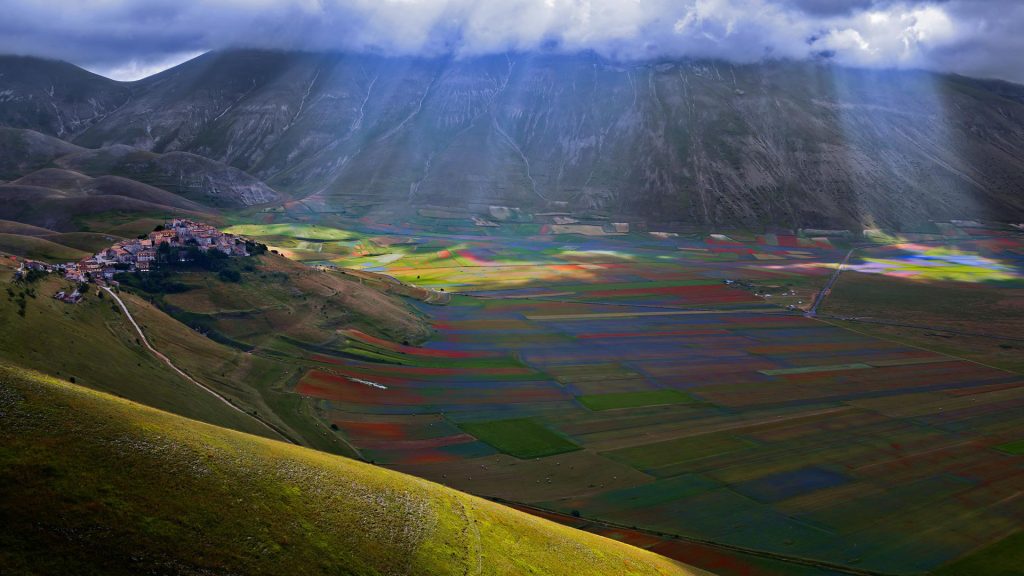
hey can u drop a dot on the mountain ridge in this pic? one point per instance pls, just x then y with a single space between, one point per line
774 143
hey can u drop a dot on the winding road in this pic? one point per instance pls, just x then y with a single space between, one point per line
171 365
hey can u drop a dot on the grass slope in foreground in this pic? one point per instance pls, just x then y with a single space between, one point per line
99 485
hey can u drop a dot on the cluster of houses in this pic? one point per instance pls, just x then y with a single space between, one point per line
140 254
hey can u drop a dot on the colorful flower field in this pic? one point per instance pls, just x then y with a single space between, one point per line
623 381
991 260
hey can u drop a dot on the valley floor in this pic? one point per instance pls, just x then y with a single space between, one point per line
656 383
668 390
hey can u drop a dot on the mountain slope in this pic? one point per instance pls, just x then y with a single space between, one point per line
53 183
94 343
55 97
59 210
22 151
77 184
776 142
188 175
205 500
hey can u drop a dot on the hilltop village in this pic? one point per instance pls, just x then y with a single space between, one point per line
171 242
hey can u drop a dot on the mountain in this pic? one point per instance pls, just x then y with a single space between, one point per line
188 175
772 143
22 151
200 499
55 97
53 183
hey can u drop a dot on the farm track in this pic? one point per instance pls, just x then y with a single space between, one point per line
163 358
819 299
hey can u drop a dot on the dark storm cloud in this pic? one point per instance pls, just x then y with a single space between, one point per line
128 38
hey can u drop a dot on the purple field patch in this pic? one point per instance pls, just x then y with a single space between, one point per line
786 485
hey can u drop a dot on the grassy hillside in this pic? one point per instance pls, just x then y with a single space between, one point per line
99 348
90 242
75 183
10 227
188 176
255 382
283 305
93 343
39 248
142 490
22 151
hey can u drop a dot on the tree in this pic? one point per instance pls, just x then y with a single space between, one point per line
163 253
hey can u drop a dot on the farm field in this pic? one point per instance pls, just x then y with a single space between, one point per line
966 298
700 407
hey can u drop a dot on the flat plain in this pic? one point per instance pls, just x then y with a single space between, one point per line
701 408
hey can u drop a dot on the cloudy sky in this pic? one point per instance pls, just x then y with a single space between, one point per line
129 39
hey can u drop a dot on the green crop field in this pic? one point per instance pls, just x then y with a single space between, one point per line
670 452
1015 448
634 399
520 437
1004 558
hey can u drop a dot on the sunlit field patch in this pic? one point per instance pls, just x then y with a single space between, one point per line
298 231
937 263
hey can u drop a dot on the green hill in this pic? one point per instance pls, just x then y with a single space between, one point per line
90 242
10 227
94 343
22 151
39 248
94 484
283 305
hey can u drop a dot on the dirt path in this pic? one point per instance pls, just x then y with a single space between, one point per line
827 289
171 365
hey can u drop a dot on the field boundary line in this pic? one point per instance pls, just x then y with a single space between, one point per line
600 315
883 322
915 346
